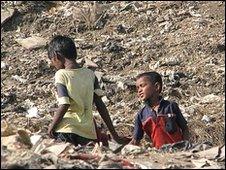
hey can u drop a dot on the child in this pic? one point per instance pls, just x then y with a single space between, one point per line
160 119
77 89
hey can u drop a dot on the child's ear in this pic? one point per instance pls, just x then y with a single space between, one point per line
54 55
157 85
59 57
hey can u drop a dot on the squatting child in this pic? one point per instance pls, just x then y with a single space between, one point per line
160 119
77 89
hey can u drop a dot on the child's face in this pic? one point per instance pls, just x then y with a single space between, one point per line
146 89
56 62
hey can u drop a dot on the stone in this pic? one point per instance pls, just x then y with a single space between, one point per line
210 154
57 148
18 78
3 65
32 112
50 167
131 149
109 165
6 15
210 98
90 63
206 119
33 42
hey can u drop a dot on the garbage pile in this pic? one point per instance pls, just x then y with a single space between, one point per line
183 41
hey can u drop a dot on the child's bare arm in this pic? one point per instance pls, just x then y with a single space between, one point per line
62 109
105 116
186 134
134 142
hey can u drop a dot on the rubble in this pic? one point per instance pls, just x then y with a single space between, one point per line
6 15
32 42
184 42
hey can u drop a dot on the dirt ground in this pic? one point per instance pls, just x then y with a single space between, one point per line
183 41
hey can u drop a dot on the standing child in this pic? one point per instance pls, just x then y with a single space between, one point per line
77 89
160 119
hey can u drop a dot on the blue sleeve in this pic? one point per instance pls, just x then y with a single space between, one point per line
61 90
138 131
182 123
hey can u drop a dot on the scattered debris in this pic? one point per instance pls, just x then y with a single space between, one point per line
131 149
32 42
7 15
117 40
18 78
32 112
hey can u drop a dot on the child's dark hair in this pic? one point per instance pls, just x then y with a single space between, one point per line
62 45
153 77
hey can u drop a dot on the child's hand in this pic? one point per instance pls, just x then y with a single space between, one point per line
122 140
51 131
134 142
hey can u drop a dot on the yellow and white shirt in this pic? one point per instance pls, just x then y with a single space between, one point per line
76 87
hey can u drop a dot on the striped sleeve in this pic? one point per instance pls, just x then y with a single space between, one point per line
97 90
62 92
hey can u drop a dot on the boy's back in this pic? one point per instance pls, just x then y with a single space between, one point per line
79 94
77 90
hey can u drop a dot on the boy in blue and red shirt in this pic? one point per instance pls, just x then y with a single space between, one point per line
160 119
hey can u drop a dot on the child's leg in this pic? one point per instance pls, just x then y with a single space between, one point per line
101 137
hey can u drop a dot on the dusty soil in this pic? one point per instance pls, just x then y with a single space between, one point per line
183 41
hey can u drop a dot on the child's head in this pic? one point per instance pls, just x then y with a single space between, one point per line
61 48
149 85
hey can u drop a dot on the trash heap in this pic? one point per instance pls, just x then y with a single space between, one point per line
183 41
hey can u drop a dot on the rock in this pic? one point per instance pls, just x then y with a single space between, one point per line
6 99
7 129
105 100
210 98
32 42
24 137
109 165
175 93
202 163
121 85
16 77
16 166
57 148
201 146
32 112
9 142
18 2
127 7
35 139
191 110
112 47
221 156
113 145
210 154
121 29
174 80
131 149
89 63
160 19
50 167
3 65
170 62
99 75
206 119
6 15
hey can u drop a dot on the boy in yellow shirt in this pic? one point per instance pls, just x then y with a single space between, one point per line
77 89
